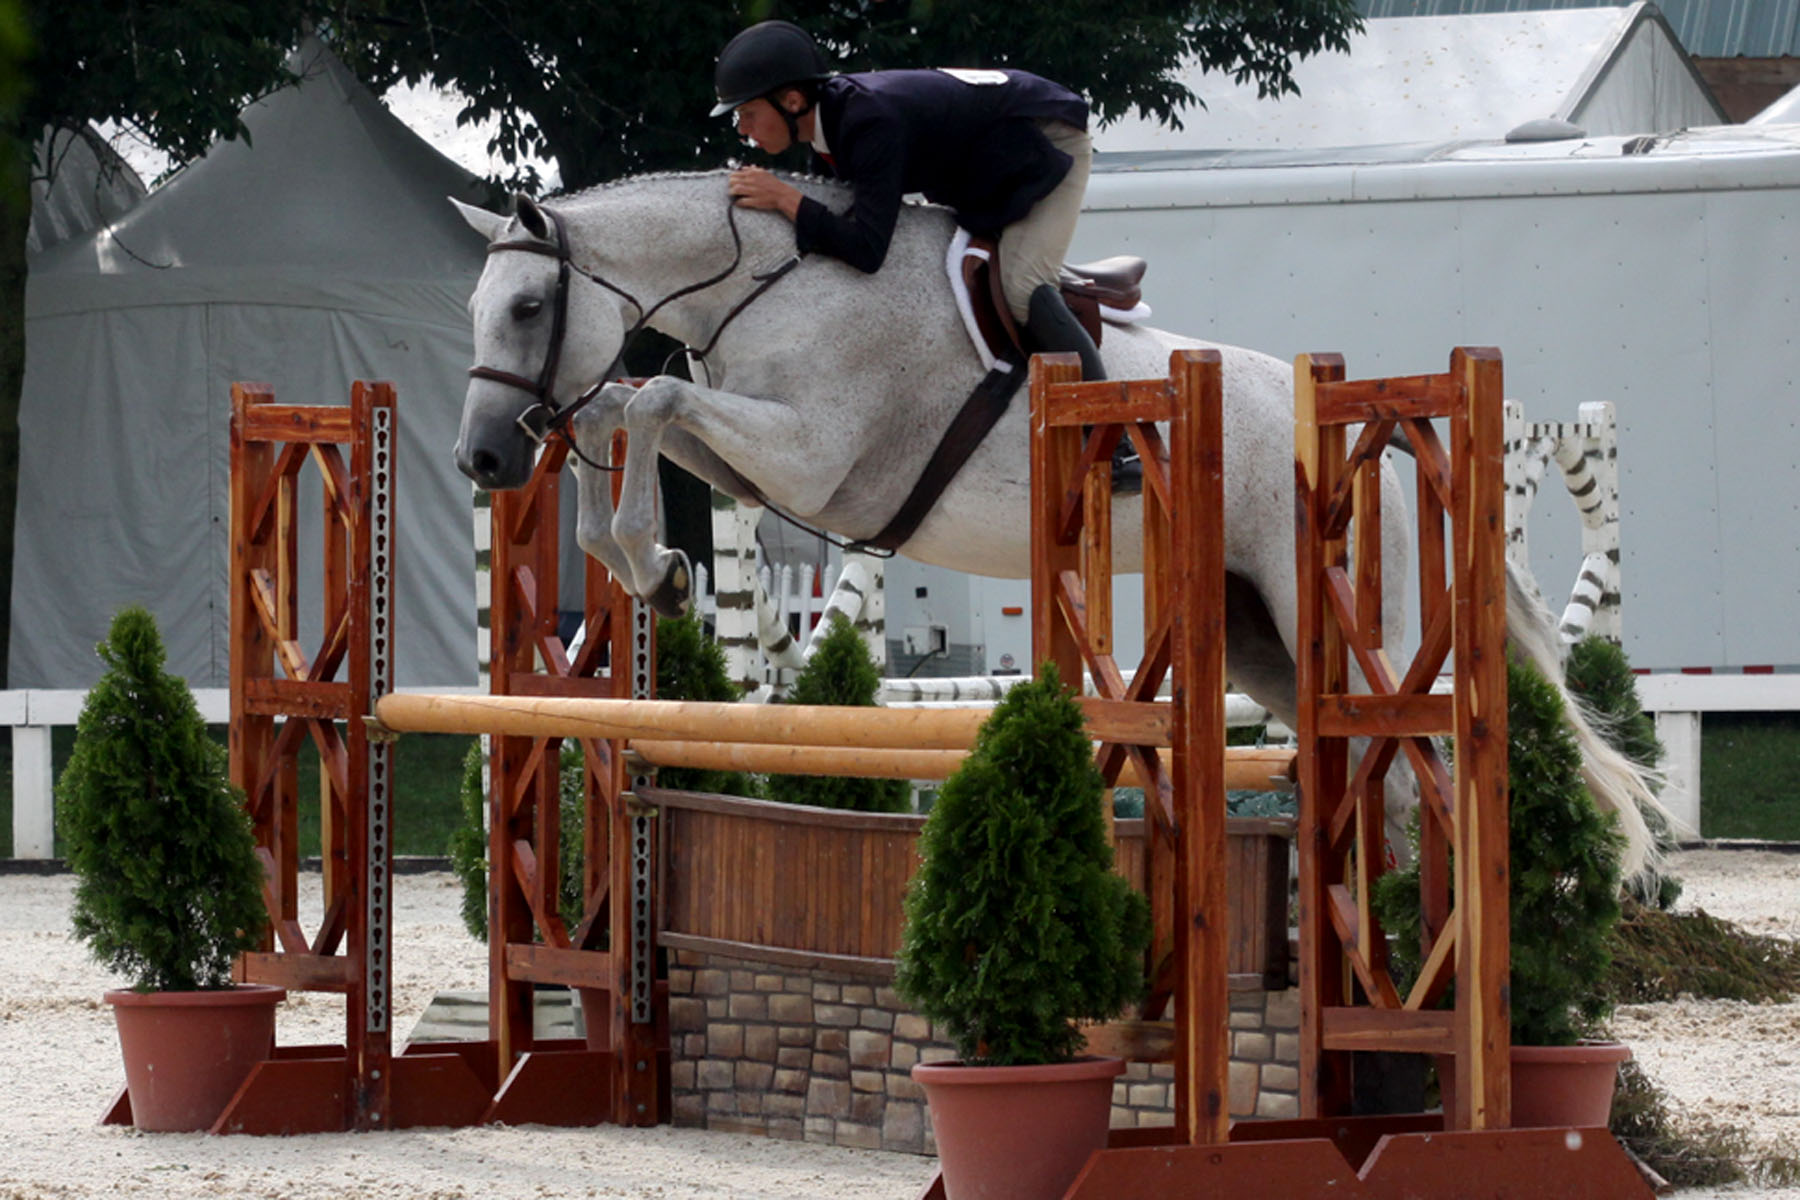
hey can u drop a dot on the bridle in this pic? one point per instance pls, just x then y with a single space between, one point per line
544 418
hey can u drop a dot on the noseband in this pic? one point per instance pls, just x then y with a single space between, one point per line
544 418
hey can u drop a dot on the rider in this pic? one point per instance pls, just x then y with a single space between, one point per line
1006 150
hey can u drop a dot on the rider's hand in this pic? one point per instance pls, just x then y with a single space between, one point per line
753 187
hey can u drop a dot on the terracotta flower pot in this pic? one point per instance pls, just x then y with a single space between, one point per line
1017 1133
1556 1086
1566 1085
187 1053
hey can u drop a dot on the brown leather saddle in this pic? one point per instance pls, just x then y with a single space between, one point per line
1115 282
1112 282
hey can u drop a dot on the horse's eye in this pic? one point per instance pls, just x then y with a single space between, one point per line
524 310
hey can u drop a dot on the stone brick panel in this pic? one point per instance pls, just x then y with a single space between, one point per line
824 1057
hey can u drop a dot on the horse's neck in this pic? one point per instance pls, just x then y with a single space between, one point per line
657 238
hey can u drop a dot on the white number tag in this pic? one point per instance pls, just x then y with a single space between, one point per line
984 78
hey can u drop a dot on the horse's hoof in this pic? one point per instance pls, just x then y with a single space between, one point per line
672 598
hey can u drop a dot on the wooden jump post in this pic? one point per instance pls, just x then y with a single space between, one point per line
619 1075
281 696
1349 1002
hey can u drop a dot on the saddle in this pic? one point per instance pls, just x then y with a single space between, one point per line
1105 292
1109 291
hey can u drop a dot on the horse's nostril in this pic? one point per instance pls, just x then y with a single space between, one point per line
484 461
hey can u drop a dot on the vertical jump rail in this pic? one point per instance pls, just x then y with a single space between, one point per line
1184 620
279 698
1350 687
609 954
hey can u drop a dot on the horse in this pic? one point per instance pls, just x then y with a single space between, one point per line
824 391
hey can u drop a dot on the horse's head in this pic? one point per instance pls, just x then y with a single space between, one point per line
544 331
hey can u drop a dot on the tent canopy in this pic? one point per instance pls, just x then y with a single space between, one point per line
319 251
1432 79
77 184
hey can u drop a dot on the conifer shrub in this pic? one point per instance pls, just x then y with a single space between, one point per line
1599 674
1016 924
691 666
1564 874
469 841
841 671
169 888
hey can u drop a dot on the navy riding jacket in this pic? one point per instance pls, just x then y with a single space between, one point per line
972 146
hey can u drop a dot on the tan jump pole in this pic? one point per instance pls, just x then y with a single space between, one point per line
694 720
1247 768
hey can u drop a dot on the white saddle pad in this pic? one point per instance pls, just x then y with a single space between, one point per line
953 267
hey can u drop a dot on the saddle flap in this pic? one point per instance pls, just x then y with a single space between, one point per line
981 276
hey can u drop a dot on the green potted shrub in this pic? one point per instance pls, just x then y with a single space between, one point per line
691 666
1017 928
841 671
1564 879
1599 675
169 888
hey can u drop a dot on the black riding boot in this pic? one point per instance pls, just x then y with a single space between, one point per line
1053 328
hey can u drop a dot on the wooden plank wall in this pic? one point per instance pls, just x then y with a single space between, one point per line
822 887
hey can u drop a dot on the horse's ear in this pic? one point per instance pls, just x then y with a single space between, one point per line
531 216
487 224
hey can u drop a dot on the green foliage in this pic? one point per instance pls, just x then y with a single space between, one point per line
468 846
177 71
1599 674
1689 1152
841 671
1016 924
169 889
1565 872
14 46
610 89
1750 770
1659 956
691 666
1564 876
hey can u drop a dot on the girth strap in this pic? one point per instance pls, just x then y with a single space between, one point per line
979 414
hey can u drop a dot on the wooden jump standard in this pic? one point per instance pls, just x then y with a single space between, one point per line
1348 1001
324 697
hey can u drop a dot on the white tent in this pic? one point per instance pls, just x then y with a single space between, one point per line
74 189
1432 79
320 251
1785 111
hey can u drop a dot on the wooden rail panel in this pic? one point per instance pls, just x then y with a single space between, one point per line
786 883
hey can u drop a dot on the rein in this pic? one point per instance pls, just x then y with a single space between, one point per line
544 418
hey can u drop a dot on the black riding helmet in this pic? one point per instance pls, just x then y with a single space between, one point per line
767 56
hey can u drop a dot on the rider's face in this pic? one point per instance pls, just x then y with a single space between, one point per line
758 122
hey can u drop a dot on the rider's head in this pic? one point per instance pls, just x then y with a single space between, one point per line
774 63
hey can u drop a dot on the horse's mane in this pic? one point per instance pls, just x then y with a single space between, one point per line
806 181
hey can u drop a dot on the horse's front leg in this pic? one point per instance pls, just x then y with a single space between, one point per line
592 429
765 442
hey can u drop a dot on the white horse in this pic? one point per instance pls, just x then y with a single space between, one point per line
827 393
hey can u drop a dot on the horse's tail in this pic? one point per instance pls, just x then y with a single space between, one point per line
1618 784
